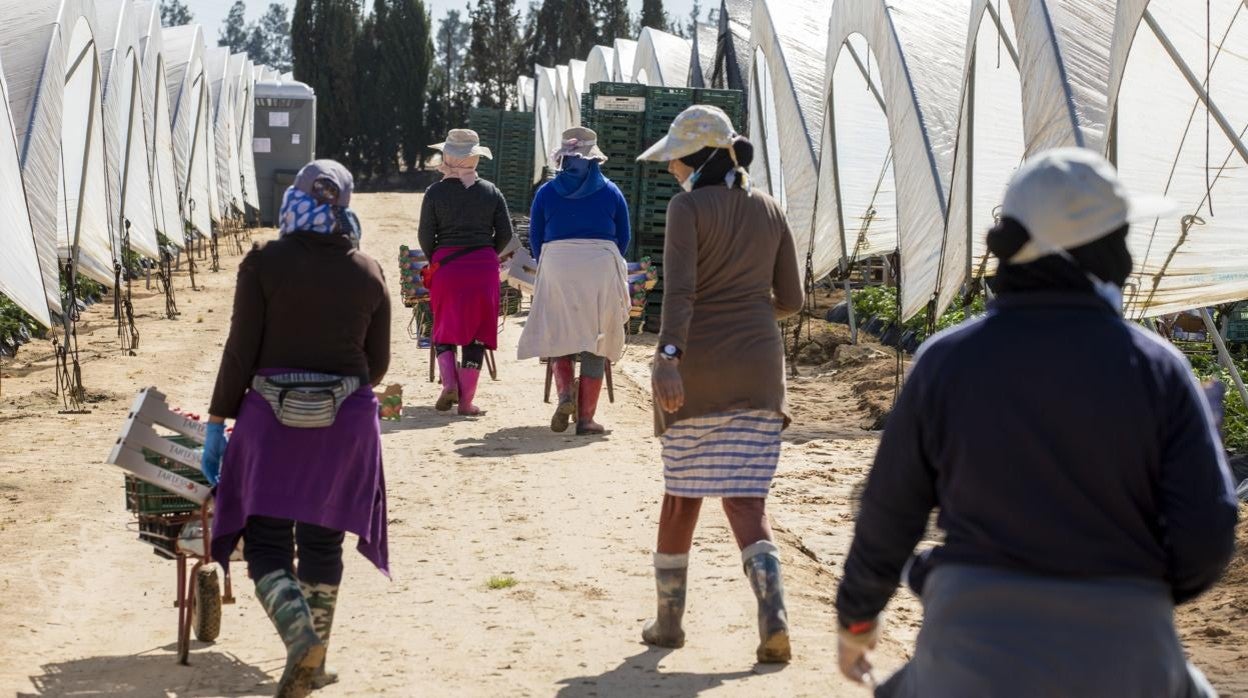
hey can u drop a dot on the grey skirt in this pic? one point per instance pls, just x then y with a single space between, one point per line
992 632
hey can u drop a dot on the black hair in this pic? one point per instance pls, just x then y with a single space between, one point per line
716 163
1107 258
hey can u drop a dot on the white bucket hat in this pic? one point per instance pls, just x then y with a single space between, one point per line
463 143
697 127
1069 197
579 141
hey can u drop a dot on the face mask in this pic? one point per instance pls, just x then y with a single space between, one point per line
692 179
1108 291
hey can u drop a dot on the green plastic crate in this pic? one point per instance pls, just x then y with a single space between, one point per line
146 498
617 89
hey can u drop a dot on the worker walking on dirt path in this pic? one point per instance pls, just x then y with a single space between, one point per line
1081 484
309 337
464 227
579 231
730 272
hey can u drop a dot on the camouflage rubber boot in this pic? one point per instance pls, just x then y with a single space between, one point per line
322 600
670 580
279 593
762 568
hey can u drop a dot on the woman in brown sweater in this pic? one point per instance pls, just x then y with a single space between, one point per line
729 273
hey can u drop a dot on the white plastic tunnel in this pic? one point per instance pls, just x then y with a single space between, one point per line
546 111
246 111
622 66
702 57
1177 86
661 59
599 66
129 174
157 117
191 124
786 105
524 93
20 278
912 52
51 63
576 88
991 144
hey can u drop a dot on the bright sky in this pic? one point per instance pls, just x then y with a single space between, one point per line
211 13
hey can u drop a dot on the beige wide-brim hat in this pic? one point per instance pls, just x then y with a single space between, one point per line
1069 197
700 126
579 141
463 143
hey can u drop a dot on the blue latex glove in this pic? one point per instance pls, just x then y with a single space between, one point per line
214 449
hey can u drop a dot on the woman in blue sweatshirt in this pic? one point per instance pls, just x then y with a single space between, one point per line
579 232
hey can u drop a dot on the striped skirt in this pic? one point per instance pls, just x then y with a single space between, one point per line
726 454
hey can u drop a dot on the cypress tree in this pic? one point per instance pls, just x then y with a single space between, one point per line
233 33
175 13
406 44
653 15
324 41
496 56
613 20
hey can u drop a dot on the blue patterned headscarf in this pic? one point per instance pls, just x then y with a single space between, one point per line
317 202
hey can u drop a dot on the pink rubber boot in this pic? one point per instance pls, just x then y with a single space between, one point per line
468 379
562 370
450 381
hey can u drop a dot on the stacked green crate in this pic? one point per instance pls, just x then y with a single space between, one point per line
658 186
515 160
486 122
731 101
616 112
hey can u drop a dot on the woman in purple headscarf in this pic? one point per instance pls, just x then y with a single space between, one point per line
309 338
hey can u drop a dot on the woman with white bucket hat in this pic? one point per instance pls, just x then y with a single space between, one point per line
464 226
729 273
579 231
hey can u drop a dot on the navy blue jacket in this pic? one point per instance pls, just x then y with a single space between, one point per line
1057 439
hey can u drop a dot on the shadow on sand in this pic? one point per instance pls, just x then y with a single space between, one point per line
640 675
526 439
419 417
153 674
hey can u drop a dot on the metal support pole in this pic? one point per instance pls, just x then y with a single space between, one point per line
1231 134
1005 35
1223 354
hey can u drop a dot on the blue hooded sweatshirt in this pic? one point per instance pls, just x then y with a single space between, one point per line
579 203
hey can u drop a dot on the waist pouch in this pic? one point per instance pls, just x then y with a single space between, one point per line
305 400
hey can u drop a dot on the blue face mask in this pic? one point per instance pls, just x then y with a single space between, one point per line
692 179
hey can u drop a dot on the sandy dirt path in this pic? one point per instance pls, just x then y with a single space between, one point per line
87 609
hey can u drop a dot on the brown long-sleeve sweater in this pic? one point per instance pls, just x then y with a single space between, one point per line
307 302
729 273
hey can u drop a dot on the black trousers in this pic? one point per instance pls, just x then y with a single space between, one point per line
270 545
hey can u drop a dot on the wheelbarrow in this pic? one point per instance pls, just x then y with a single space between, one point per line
172 505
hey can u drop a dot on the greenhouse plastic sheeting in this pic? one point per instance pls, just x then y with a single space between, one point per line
36 40
662 59
246 112
524 93
600 65
733 54
189 106
156 117
1063 48
217 63
1195 256
20 279
563 80
545 118
786 111
990 145
622 67
129 175
918 48
576 87
702 65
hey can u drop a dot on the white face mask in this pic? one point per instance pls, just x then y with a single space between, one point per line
1109 291
692 179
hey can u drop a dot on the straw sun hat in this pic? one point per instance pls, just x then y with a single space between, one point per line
579 141
463 143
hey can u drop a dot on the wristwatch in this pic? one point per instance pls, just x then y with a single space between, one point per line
670 352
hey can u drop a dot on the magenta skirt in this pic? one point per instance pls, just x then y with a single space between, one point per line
465 298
